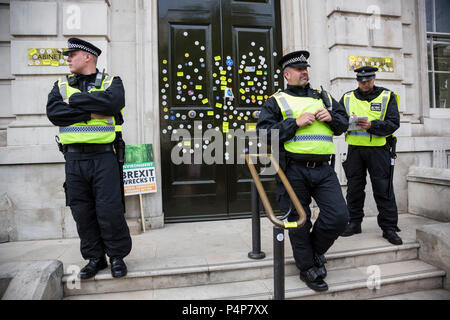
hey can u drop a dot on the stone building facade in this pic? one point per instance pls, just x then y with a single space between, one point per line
32 201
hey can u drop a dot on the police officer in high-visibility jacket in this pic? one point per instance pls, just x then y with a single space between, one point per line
87 106
307 119
369 148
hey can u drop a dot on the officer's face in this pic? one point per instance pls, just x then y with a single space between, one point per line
77 61
366 86
297 76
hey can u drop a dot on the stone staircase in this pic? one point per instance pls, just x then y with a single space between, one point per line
363 266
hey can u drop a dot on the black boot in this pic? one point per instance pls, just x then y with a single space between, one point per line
351 229
313 280
94 266
118 267
319 263
392 237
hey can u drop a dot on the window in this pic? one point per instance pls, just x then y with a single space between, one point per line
438 44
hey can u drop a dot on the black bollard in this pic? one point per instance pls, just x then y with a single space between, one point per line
256 252
278 263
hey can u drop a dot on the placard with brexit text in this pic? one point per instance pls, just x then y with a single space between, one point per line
139 170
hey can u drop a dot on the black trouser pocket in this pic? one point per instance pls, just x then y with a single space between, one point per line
67 195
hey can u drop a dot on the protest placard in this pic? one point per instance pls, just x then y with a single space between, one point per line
139 170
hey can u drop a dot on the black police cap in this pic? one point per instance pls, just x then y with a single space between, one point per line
294 59
75 44
365 73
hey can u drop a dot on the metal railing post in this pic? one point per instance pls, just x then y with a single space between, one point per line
279 225
256 252
278 263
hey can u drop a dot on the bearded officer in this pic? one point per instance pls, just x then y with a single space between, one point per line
87 106
307 119
370 149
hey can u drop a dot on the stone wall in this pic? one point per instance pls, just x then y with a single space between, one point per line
32 204
434 241
31 280
429 192
338 29
6 114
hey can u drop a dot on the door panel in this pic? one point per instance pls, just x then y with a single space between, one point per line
188 38
252 31
208 48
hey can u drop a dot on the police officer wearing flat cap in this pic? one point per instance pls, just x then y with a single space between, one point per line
87 107
371 148
307 119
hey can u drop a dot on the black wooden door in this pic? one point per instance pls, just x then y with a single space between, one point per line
217 63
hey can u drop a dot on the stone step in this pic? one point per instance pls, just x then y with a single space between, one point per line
356 283
436 294
176 273
349 283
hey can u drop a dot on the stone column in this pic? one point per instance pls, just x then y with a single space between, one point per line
6 115
422 59
294 25
148 104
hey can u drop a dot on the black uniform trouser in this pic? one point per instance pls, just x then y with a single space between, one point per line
322 184
94 194
376 160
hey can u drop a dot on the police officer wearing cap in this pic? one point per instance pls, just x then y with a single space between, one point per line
307 119
370 149
87 107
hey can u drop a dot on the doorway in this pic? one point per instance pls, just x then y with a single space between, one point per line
217 66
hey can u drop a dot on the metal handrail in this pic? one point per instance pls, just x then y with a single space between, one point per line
264 199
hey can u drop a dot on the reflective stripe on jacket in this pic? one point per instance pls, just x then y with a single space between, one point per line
99 131
374 110
316 138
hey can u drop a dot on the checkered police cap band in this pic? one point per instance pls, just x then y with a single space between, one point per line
365 74
294 60
81 47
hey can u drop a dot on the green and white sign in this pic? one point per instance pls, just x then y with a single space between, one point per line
139 170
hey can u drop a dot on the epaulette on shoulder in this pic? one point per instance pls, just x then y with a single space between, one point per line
350 91
278 91
66 77
69 76
316 92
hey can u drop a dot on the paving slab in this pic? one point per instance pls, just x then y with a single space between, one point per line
201 243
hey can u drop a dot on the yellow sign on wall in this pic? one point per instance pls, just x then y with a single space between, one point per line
46 57
383 64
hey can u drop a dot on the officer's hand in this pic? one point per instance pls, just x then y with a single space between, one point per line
305 119
98 116
364 124
323 115
66 101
